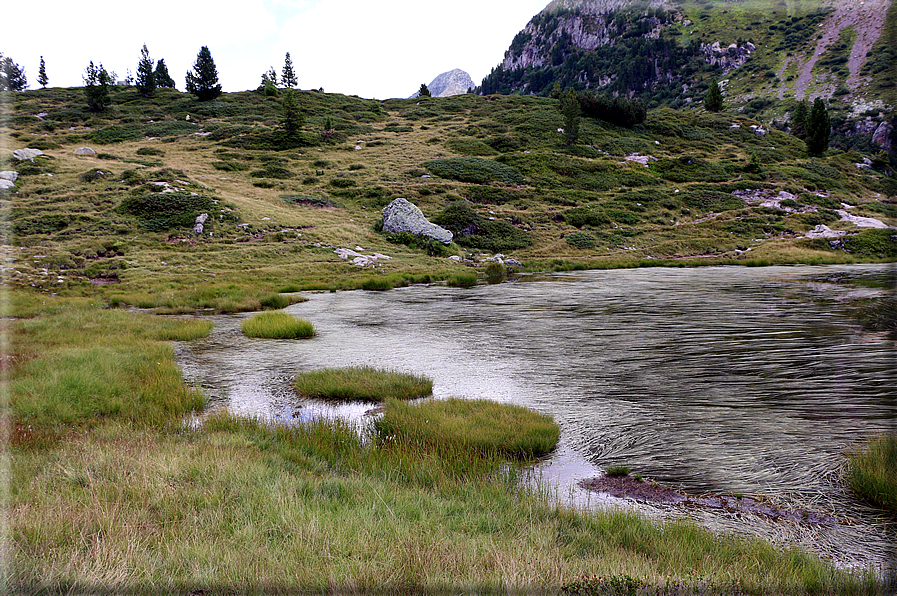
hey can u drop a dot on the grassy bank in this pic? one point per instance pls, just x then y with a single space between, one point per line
361 383
872 471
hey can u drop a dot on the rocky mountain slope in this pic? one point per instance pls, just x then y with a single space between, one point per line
766 56
453 82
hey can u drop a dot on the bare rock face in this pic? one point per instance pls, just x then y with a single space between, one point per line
882 135
453 82
403 216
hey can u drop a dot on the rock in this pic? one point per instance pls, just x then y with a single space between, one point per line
513 263
29 154
202 218
5 184
85 151
453 82
360 259
9 175
642 159
823 231
882 135
197 229
862 222
403 216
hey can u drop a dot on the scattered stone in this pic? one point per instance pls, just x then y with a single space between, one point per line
360 259
513 263
403 216
40 116
85 151
29 154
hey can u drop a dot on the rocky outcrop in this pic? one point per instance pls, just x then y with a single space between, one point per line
85 151
198 226
403 216
882 135
453 82
728 58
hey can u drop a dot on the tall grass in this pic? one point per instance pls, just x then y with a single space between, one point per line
277 325
362 383
184 330
481 426
872 471
462 280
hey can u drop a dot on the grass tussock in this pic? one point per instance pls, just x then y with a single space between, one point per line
277 325
872 471
185 330
362 383
462 280
478 425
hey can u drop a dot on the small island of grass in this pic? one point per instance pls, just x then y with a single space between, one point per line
362 383
479 425
277 325
872 471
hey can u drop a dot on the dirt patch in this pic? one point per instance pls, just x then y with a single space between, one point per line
627 487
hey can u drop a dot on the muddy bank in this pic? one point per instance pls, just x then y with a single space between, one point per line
627 487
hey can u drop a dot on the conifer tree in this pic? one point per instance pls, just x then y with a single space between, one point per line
288 75
292 118
819 128
799 120
96 87
42 74
713 101
424 92
146 78
202 81
163 79
12 76
569 107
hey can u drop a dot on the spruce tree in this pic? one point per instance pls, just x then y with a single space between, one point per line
569 107
146 78
819 128
42 74
292 118
713 101
424 92
799 120
163 79
96 87
288 75
202 81
12 76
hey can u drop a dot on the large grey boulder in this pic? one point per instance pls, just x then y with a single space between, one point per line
85 151
29 154
453 82
403 216
8 179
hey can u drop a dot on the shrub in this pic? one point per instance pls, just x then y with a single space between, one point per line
95 174
150 151
277 325
310 201
480 426
116 134
712 200
586 215
581 240
873 243
474 169
157 212
433 248
616 110
361 383
342 182
473 230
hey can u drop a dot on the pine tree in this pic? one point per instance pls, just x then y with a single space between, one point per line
163 79
713 101
42 74
12 76
424 92
819 128
799 120
292 118
146 78
202 81
96 87
288 75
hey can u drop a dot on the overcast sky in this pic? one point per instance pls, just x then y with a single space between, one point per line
374 49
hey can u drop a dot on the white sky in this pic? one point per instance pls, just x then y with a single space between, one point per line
374 49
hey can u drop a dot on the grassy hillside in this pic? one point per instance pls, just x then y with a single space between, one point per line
494 165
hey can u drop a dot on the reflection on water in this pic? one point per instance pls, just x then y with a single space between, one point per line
721 379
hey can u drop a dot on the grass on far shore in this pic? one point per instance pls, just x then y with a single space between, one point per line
277 325
479 425
361 383
872 471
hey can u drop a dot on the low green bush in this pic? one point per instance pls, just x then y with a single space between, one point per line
881 243
581 240
481 426
475 231
157 212
872 471
712 200
277 325
342 182
586 215
474 169
150 151
362 383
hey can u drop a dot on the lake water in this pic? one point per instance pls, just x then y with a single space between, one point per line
711 380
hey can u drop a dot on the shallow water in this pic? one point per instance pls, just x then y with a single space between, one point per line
711 380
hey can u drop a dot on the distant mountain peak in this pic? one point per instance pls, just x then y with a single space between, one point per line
453 82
